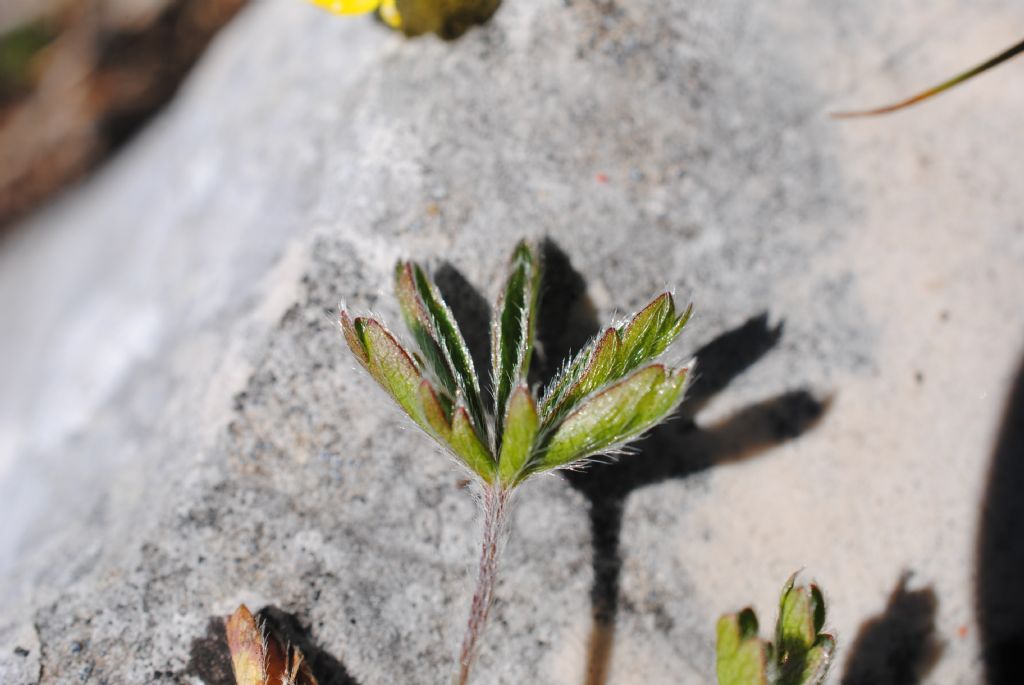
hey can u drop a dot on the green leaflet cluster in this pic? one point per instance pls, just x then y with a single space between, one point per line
608 394
801 654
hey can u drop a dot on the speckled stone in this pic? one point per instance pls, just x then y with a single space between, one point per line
181 429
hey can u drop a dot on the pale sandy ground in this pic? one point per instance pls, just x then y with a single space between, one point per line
308 154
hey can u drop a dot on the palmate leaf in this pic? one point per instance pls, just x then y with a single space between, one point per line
387 361
467 444
394 369
613 416
521 426
439 339
613 354
512 330
455 429
602 399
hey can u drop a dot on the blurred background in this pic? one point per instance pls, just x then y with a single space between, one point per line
188 188
79 77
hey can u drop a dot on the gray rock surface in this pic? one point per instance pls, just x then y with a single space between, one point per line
181 430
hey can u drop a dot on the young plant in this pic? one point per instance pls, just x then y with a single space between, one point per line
606 396
801 654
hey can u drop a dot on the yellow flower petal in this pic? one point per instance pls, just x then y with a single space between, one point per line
389 13
348 6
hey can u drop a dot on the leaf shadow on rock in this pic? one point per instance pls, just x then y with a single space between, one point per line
567 319
210 659
327 669
675 450
898 646
999 591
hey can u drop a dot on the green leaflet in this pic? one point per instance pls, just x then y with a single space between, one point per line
437 334
354 340
521 425
434 412
818 660
795 629
512 330
455 429
742 657
602 362
393 368
467 444
801 616
657 404
614 354
614 415
641 334
388 362
650 332
418 321
552 402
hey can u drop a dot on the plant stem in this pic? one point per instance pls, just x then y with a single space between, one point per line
495 502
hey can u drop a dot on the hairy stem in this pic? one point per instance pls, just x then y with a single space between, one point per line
495 503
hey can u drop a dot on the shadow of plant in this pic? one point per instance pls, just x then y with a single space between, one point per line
327 669
897 647
999 588
210 659
567 319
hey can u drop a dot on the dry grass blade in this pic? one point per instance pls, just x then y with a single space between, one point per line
944 86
